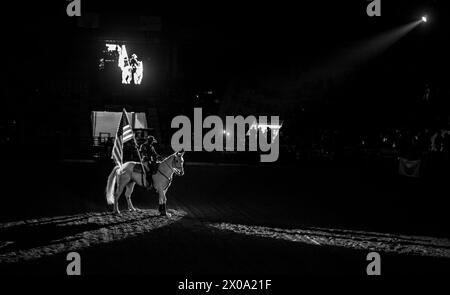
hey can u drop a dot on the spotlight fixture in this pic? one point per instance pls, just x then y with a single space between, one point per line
424 19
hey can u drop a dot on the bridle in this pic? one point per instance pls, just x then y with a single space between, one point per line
173 170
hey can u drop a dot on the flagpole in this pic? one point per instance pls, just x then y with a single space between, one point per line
112 151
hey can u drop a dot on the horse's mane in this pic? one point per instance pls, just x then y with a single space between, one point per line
167 157
171 155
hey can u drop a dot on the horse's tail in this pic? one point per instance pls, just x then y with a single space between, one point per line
110 186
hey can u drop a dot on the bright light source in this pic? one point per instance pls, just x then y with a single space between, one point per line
424 19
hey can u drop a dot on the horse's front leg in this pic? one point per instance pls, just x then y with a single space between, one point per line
162 203
128 192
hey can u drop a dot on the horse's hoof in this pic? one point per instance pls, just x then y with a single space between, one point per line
165 214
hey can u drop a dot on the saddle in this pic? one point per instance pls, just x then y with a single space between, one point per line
138 169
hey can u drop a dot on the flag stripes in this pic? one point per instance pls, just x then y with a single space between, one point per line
127 133
124 133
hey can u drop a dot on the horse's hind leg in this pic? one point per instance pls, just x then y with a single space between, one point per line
117 195
128 192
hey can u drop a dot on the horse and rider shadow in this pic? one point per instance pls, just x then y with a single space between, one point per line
36 238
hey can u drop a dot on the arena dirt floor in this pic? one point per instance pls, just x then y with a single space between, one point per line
309 218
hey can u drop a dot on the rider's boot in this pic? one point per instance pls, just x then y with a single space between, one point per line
149 183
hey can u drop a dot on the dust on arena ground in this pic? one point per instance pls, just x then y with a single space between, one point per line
313 218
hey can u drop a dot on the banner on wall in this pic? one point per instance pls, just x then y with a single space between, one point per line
107 122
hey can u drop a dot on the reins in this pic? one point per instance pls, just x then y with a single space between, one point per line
168 178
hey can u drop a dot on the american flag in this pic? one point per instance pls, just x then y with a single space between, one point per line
124 134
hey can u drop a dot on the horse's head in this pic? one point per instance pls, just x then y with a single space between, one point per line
178 163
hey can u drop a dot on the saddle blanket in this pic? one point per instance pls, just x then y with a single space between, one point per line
137 168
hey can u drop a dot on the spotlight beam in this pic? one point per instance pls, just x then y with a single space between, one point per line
363 50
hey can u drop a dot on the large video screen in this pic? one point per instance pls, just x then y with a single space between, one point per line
123 61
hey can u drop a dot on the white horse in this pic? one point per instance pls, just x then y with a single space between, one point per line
127 176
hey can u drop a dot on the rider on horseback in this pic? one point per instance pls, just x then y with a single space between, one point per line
150 157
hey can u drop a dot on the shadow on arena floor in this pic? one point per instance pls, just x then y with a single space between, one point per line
311 218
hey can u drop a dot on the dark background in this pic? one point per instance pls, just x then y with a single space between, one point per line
256 58
270 58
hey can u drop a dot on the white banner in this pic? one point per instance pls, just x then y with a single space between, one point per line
409 168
